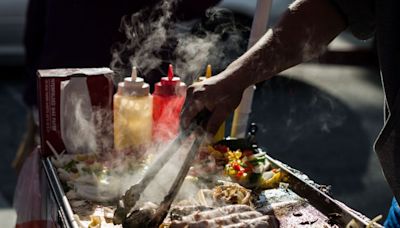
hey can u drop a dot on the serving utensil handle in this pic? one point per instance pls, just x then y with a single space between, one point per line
165 205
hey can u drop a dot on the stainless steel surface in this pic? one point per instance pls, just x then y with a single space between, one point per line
335 211
66 215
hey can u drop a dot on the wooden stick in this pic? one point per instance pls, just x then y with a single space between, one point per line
53 150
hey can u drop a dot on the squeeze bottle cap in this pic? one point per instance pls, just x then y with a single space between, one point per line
208 71
170 85
208 74
170 80
134 86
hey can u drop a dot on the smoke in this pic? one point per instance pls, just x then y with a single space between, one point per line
193 54
145 33
154 41
124 172
162 182
217 40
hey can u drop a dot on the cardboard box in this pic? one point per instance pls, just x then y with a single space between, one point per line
75 109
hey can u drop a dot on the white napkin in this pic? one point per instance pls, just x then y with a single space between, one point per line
78 130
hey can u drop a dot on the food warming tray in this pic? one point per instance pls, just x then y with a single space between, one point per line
337 212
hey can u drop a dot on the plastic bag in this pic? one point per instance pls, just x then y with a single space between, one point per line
31 197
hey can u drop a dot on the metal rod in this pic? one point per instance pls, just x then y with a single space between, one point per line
65 211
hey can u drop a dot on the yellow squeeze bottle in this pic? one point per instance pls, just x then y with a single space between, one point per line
133 107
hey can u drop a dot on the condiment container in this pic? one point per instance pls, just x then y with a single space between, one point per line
169 96
133 107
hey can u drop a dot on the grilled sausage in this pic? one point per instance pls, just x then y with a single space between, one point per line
218 212
232 216
219 221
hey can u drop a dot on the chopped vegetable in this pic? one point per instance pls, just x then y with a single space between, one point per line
245 167
71 166
95 222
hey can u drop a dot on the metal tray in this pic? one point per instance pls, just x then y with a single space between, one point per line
337 212
65 215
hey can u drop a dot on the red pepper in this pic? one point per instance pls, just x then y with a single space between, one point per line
239 174
236 167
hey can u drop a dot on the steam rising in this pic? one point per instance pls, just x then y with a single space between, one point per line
156 39
160 185
145 35
191 61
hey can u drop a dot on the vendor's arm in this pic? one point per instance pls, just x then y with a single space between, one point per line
303 33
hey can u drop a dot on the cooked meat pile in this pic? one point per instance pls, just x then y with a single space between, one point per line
227 216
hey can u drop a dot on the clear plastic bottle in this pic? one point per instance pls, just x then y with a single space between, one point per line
133 106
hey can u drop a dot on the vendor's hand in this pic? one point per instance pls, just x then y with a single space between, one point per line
220 95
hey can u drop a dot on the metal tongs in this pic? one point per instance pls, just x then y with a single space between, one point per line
126 205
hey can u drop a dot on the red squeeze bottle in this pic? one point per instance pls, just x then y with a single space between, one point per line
168 98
